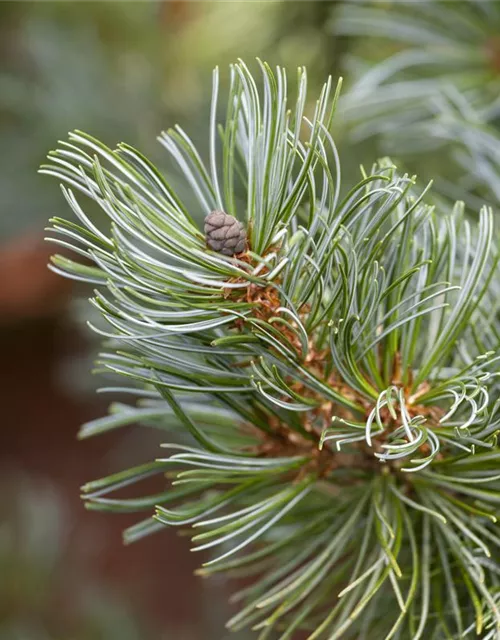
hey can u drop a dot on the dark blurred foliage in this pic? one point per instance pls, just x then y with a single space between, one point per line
423 88
46 590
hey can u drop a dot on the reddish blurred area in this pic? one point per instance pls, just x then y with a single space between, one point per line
28 290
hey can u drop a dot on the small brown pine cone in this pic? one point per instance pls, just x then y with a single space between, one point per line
224 233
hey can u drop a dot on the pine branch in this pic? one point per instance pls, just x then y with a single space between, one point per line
330 390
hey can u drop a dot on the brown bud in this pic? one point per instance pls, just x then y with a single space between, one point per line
224 233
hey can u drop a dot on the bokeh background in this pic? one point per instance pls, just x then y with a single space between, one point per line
125 71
